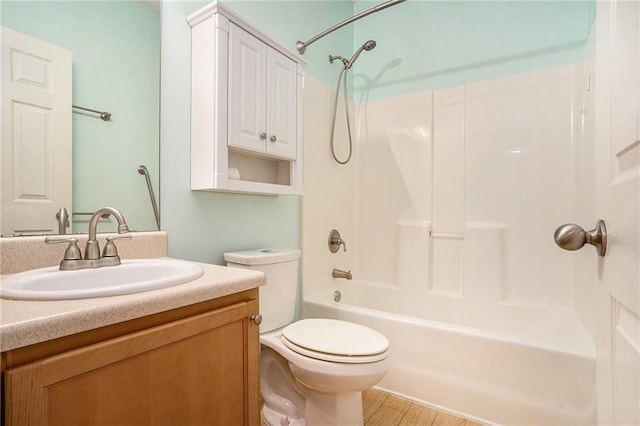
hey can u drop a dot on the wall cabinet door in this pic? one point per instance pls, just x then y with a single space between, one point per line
198 370
281 105
262 97
247 91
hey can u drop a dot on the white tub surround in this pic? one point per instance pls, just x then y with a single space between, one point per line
24 323
448 209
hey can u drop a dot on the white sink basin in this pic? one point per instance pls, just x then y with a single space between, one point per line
132 276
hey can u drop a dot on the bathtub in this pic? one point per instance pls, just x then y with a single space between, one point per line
508 374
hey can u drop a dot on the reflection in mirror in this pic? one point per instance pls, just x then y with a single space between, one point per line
115 67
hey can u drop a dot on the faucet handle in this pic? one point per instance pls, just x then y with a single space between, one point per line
335 241
110 249
118 237
72 252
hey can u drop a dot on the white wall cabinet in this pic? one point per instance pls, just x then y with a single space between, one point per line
246 111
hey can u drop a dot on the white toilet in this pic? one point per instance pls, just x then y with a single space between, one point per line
312 371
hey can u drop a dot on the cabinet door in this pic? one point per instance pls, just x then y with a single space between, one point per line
281 105
247 91
198 370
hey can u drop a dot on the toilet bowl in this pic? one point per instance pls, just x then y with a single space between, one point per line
330 381
312 371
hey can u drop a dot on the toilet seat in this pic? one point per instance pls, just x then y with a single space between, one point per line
335 341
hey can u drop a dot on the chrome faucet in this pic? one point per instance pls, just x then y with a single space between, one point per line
72 256
92 249
339 273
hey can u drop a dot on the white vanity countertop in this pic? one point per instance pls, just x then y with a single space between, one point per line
24 323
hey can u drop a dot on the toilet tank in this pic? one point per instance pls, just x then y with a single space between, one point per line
279 296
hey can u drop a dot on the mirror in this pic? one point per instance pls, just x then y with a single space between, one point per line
115 67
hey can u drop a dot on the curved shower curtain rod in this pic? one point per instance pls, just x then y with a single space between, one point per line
302 46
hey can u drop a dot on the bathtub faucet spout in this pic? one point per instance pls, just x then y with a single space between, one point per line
339 273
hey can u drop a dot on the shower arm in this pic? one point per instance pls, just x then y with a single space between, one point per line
302 46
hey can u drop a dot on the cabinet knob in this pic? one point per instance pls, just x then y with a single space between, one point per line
263 135
273 138
257 319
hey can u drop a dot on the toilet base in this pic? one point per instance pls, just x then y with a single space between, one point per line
275 418
297 390
322 410
333 410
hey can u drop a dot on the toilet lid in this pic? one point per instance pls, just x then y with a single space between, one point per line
335 340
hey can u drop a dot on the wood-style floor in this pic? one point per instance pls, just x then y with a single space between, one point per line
382 409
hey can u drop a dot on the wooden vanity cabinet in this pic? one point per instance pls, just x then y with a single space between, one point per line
192 365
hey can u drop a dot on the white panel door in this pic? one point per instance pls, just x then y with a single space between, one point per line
281 105
36 134
618 203
247 91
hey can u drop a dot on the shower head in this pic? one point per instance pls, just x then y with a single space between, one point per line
369 45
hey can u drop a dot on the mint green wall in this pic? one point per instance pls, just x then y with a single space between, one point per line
423 45
116 58
202 226
290 21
